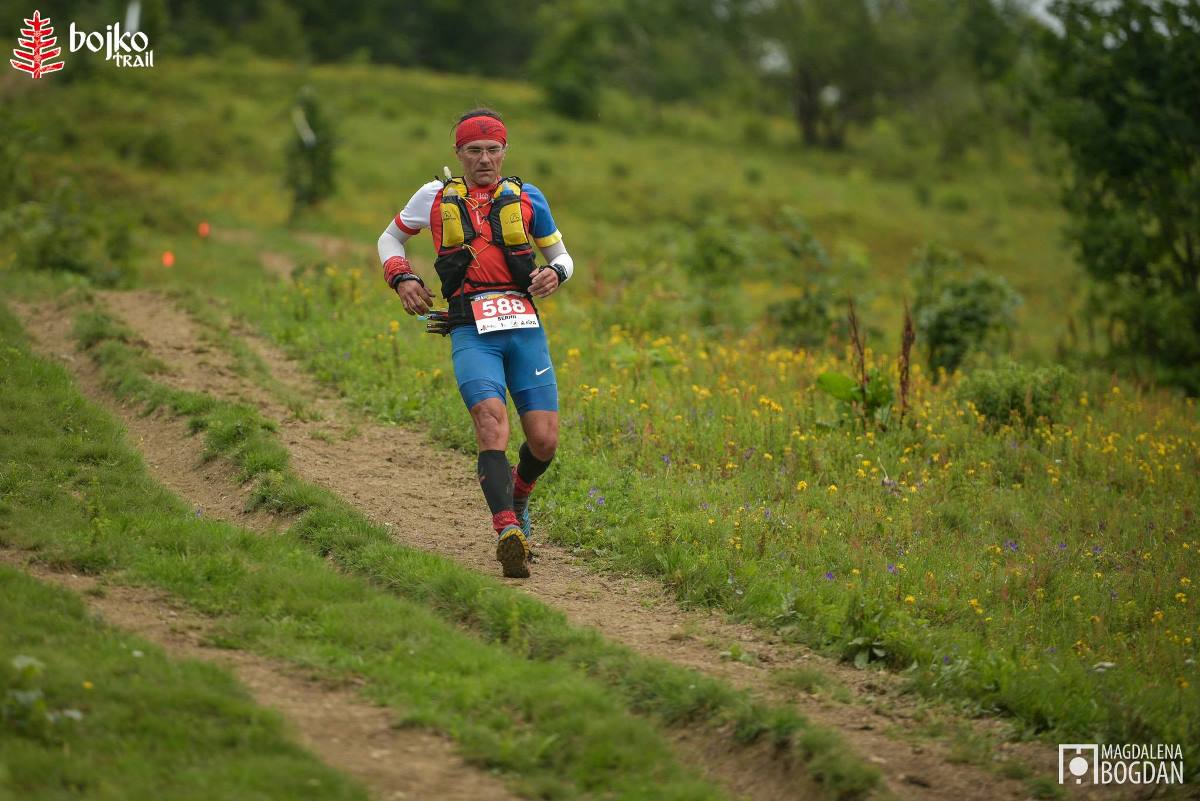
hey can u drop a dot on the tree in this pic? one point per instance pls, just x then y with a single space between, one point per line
1123 95
620 44
844 61
833 55
570 65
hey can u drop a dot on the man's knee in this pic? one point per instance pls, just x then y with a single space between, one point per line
542 434
491 424
543 449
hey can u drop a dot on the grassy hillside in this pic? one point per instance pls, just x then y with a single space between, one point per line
205 139
1016 531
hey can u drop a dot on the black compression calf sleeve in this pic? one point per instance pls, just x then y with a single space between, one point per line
530 468
495 478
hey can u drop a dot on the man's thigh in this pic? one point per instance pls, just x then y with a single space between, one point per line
529 372
478 366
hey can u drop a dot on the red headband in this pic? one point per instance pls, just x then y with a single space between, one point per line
474 128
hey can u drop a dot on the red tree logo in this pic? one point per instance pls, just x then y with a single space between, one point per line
35 49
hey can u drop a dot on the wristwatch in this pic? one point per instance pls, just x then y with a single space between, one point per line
560 271
406 277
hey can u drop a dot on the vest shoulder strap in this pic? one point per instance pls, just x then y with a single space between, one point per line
512 184
454 186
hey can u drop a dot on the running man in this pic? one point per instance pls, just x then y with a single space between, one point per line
484 226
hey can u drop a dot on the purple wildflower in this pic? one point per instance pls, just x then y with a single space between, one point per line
891 568
946 659
1011 545
600 501
1096 549
592 492
666 459
829 575
1062 546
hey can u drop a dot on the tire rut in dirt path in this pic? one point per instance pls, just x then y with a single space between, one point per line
171 452
354 737
428 498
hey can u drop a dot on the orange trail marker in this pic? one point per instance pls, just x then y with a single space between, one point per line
203 230
168 259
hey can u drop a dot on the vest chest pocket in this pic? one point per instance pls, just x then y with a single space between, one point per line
452 227
512 227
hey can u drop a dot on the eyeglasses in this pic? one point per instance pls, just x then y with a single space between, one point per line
475 152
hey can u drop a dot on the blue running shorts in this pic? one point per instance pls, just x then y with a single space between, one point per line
485 364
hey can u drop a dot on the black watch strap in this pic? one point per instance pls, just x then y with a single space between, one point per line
406 277
561 272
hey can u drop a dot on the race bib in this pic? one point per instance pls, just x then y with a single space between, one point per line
502 312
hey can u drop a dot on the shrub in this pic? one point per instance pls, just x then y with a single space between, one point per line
958 313
310 155
574 93
54 233
806 321
1013 390
719 252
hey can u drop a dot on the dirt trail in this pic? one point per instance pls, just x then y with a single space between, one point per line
330 248
169 449
334 723
429 499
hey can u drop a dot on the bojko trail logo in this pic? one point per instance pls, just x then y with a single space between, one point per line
1138 763
124 49
37 52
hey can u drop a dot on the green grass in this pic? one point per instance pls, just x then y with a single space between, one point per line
673 695
686 463
807 680
283 599
129 723
1029 553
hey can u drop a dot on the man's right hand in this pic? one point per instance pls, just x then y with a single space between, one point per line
415 296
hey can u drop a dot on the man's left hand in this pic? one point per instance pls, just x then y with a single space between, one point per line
544 282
